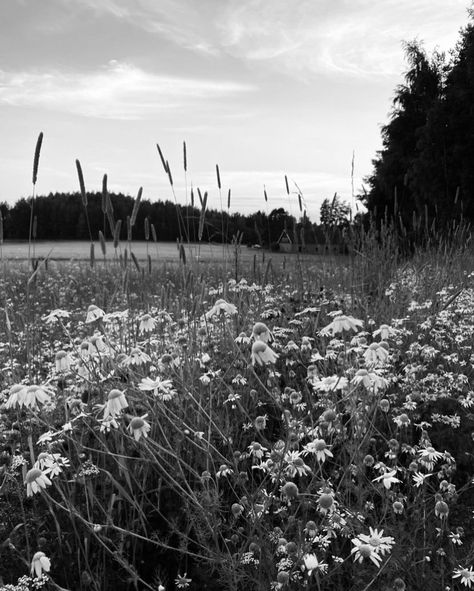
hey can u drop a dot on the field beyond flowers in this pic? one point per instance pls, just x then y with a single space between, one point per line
290 427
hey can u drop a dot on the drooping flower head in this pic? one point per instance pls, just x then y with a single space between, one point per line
261 332
147 324
62 361
262 353
340 324
94 313
39 564
35 395
375 353
221 307
35 480
138 427
137 357
116 401
17 396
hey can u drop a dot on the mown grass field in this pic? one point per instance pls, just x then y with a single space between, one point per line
160 252
242 425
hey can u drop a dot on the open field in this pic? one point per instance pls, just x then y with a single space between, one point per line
160 251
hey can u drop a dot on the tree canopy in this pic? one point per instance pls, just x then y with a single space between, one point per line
425 168
62 216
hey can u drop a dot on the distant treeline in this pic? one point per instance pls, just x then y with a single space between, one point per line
62 216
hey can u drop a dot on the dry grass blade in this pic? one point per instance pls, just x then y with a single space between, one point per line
163 161
147 228
92 254
102 243
129 229
136 206
286 185
265 194
104 194
153 233
202 217
35 227
110 214
169 173
218 176
228 199
185 159
118 227
182 254
135 261
39 141
38 267
81 183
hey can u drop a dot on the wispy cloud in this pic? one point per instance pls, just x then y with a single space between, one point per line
359 37
118 91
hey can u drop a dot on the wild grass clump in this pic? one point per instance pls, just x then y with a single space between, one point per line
181 429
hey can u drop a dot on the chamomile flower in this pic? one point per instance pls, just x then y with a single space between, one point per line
374 354
466 575
17 396
182 581
263 354
36 480
36 395
52 464
94 313
340 324
257 450
441 509
380 543
385 332
295 465
312 563
137 357
330 383
221 307
402 420
363 550
224 470
162 389
138 427
116 401
429 456
261 332
146 324
242 339
39 564
387 479
62 361
319 448
362 378
55 315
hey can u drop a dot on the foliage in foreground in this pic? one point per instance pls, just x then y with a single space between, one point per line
236 435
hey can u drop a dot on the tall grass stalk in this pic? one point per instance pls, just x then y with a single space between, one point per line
36 159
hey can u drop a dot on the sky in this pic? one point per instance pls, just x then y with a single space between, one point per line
263 88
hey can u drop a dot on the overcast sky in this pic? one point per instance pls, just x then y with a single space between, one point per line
263 88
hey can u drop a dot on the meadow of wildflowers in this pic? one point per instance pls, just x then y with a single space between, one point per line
190 429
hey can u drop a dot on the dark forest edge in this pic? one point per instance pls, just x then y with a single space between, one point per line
62 216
